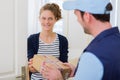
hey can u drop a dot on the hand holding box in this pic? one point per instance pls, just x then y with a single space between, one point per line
39 59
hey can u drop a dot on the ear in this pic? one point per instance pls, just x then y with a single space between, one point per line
87 17
77 12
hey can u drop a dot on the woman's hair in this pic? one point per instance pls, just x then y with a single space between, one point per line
54 8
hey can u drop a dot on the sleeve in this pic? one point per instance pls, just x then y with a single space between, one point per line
89 68
30 47
63 49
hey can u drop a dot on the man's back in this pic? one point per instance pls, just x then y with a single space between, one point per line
106 47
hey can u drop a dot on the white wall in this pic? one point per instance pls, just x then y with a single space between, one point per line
118 14
13 38
115 14
78 40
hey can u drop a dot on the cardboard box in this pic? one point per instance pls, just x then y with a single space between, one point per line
39 59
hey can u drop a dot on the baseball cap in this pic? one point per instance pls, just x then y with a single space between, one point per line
91 6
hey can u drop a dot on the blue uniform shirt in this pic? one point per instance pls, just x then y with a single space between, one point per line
101 59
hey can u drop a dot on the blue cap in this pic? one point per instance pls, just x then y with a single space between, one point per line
91 6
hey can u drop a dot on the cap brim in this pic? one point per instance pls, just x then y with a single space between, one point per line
69 5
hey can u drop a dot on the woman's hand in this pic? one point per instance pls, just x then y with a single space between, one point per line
31 68
72 67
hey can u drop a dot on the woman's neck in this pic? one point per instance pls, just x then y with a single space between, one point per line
47 33
47 37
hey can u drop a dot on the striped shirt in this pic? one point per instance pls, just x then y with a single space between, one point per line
49 49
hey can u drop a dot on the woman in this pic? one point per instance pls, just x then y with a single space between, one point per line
47 41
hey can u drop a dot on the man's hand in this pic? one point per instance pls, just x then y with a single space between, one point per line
50 72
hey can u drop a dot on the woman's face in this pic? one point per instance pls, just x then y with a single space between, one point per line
47 20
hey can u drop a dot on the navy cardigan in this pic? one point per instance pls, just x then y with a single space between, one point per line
33 44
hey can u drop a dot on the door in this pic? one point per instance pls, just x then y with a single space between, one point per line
13 34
